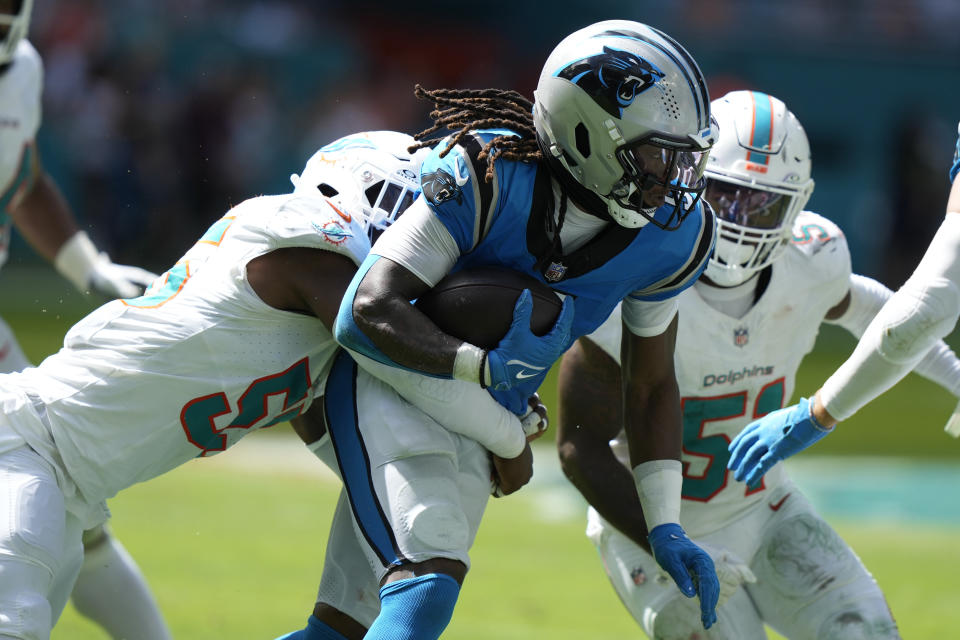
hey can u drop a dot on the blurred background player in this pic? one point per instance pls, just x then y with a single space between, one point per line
922 312
741 340
594 189
111 590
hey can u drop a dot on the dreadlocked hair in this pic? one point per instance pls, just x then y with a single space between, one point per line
464 110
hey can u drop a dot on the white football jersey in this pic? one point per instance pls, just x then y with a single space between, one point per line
143 385
733 370
20 89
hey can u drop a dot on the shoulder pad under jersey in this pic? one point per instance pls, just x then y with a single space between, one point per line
701 241
315 221
821 245
457 190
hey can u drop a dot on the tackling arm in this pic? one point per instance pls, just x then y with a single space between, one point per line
313 281
590 415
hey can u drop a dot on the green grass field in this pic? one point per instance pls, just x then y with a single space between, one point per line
233 545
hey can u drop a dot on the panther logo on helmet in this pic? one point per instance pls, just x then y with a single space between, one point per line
439 186
612 78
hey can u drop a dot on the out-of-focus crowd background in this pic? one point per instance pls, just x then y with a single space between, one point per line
160 115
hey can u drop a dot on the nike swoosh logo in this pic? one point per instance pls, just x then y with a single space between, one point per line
523 375
775 506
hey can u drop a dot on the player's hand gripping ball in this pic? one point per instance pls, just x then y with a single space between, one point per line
483 307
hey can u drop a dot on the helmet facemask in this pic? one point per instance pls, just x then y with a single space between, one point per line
753 228
657 172
758 181
386 197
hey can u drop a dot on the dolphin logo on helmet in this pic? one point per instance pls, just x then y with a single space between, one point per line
613 78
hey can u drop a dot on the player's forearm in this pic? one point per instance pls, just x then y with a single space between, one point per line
377 319
44 218
459 406
652 423
606 485
941 366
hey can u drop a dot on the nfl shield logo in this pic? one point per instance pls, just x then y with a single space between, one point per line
555 272
740 336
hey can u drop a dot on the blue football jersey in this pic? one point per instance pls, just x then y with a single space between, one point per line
504 222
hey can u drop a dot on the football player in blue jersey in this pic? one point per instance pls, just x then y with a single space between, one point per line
920 313
593 188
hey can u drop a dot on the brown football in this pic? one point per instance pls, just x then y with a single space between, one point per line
476 305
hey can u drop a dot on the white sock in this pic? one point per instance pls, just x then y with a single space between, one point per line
112 592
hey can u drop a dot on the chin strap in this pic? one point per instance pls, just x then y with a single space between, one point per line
586 200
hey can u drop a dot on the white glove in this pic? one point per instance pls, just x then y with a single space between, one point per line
89 270
732 572
953 424
535 421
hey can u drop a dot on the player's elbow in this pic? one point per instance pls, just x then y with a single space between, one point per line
571 458
352 328
365 308
922 312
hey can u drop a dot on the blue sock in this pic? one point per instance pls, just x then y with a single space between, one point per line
415 609
315 630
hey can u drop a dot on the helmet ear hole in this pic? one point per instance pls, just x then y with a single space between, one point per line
327 190
582 137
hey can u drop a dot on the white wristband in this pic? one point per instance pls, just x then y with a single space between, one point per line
466 366
659 483
76 258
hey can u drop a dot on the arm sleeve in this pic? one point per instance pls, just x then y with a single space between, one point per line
461 407
867 297
648 318
421 243
921 312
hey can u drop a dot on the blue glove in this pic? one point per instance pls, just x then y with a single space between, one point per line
774 437
956 158
521 355
515 399
690 567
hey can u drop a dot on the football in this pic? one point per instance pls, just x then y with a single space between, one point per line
476 305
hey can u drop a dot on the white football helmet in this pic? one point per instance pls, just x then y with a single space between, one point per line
623 110
13 29
370 173
758 180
